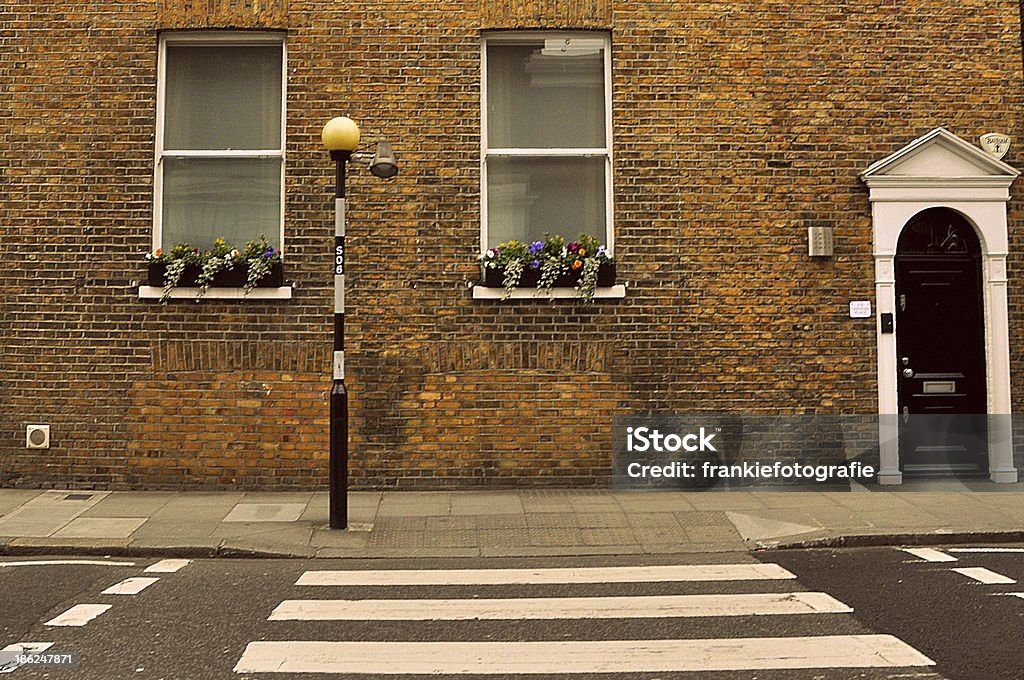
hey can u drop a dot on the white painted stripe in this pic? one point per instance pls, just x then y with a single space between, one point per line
79 615
130 586
339 217
1020 595
756 604
986 550
27 647
930 555
9 665
613 656
339 364
444 577
46 563
982 575
166 566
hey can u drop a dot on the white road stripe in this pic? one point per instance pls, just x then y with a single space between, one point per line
79 615
982 575
9 662
930 555
986 550
166 566
130 586
46 563
27 647
757 604
1020 595
444 577
613 656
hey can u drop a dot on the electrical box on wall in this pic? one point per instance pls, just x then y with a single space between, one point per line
37 436
819 241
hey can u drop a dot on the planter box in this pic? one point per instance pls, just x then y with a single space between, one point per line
227 278
495 278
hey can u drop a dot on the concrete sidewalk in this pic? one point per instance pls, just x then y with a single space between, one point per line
530 522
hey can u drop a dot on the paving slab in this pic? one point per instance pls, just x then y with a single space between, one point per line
754 528
611 519
14 498
327 538
414 507
100 527
265 512
450 523
67 498
501 522
302 497
657 501
796 500
480 504
290 540
551 520
175 530
608 536
23 527
130 504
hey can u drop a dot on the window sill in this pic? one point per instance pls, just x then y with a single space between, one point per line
602 293
186 293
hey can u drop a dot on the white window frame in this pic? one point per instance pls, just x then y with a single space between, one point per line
221 39
522 37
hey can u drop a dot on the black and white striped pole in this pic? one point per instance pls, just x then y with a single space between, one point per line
341 138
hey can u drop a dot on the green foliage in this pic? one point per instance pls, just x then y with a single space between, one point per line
552 257
259 257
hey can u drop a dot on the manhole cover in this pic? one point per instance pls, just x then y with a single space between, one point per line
78 497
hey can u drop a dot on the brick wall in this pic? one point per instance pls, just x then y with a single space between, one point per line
737 125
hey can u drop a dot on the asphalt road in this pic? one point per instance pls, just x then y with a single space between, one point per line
973 630
198 621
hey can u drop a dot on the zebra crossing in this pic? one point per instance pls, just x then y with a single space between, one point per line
625 655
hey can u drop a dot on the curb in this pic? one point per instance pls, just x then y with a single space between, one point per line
148 551
879 540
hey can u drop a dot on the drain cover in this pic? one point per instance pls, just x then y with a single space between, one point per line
78 497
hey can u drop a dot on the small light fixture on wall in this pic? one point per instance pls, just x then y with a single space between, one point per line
819 242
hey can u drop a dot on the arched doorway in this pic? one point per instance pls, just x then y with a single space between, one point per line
941 169
940 345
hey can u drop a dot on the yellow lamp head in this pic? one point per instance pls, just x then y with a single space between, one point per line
341 134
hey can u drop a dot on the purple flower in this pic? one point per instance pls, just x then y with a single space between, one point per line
535 264
536 247
573 247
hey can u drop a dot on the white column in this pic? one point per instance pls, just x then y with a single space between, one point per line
888 403
1000 441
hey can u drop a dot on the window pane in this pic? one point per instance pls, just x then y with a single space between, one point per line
204 199
527 197
221 97
541 97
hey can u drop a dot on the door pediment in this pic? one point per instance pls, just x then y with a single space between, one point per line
938 160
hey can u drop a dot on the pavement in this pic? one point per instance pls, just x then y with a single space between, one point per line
504 523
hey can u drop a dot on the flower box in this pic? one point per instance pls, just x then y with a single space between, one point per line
227 278
495 278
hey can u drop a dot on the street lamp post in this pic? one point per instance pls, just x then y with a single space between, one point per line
341 138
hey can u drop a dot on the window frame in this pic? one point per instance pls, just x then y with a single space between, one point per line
224 39
527 37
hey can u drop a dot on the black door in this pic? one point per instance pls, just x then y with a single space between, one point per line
940 347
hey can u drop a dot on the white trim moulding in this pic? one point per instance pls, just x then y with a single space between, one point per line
190 293
488 293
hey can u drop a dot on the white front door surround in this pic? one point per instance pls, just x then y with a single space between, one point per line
941 170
